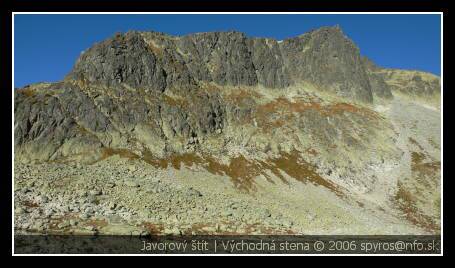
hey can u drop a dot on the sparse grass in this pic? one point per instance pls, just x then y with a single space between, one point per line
211 88
421 168
407 203
202 229
96 223
152 228
242 171
239 170
159 52
124 153
284 111
61 182
434 144
83 130
312 152
433 100
27 92
412 193
413 141
241 95
400 79
53 225
30 204
293 165
175 101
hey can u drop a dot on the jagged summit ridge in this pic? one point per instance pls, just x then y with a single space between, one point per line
157 93
324 57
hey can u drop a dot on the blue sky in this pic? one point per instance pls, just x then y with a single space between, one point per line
47 46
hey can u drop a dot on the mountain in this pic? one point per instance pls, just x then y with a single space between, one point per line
308 108
160 62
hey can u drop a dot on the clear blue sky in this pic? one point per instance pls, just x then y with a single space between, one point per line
47 46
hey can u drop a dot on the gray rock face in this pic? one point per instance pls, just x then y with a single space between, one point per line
121 59
422 87
412 82
269 63
47 121
383 81
228 58
370 65
378 85
325 57
63 119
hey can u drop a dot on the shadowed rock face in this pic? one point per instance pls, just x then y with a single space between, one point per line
121 59
63 119
324 57
377 83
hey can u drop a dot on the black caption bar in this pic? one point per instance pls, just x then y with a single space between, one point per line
280 244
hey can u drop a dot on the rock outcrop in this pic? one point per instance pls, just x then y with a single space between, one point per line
410 82
378 85
324 57
327 58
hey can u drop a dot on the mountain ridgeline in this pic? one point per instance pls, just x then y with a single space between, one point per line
154 93
325 57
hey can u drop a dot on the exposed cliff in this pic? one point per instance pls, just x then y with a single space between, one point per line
325 57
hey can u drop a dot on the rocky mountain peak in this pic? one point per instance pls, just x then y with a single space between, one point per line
325 57
159 93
